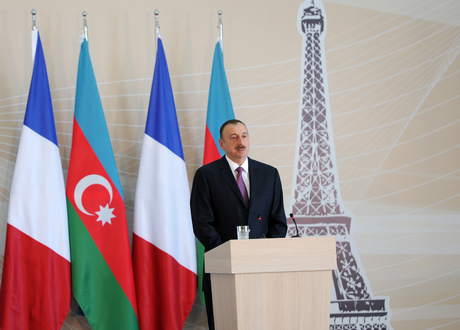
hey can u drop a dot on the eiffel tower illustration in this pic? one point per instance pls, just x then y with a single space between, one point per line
316 200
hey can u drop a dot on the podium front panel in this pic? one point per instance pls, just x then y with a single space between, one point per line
287 300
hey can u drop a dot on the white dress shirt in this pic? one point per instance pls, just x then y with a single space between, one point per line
245 173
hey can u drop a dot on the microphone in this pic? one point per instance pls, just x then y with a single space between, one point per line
296 229
261 226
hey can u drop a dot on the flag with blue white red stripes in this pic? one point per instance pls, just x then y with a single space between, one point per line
35 291
164 254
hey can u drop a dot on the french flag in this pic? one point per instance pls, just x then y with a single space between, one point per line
36 286
164 253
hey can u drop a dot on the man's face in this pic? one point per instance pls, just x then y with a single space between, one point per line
235 142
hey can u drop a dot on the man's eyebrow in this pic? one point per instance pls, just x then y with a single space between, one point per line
243 133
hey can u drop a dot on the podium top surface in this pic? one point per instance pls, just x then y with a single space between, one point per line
272 255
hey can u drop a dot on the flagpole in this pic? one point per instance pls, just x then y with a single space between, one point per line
157 27
34 23
34 33
85 26
220 30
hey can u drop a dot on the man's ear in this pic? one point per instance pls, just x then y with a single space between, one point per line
221 143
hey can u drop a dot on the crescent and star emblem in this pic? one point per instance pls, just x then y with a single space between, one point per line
105 213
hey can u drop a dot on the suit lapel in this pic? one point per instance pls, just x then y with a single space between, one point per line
254 180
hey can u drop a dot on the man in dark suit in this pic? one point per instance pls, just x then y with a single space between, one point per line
218 204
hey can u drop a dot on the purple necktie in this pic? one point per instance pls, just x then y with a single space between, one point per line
242 186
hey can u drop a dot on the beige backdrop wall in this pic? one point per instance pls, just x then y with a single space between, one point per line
394 83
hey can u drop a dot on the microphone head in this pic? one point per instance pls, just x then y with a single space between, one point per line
261 226
291 215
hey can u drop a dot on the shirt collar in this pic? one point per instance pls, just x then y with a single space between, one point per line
234 166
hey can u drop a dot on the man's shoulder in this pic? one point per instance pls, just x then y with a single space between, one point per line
211 166
257 164
221 163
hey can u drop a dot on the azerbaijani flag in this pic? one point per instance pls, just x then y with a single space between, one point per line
220 109
102 273
164 252
36 292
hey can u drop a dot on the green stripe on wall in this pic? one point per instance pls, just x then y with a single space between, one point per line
96 289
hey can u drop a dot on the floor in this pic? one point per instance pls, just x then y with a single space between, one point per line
196 320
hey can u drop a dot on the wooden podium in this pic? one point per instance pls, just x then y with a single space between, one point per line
276 283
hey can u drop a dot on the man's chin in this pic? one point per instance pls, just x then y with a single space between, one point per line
241 155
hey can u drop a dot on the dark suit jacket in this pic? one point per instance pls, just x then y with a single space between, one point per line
217 205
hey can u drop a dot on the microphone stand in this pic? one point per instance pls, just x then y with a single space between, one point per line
296 229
